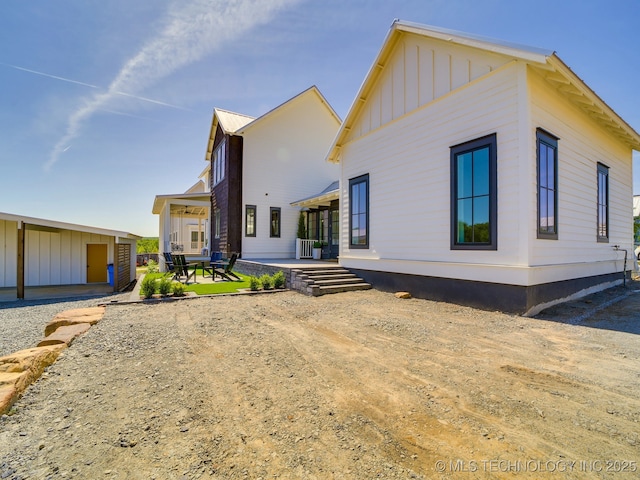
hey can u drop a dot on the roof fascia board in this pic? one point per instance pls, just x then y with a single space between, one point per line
530 54
64 225
576 82
273 111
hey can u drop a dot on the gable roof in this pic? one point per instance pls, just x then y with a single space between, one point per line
546 62
313 90
229 122
233 123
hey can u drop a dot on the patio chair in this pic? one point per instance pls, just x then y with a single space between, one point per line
168 261
226 272
182 268
216 260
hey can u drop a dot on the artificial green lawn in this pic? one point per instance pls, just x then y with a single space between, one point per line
209 288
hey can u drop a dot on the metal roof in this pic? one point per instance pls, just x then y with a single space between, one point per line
546 62
54 225
332 192
231 122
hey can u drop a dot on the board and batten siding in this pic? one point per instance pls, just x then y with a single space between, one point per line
8 256
408 162
60 258
419 71
582 144
284 161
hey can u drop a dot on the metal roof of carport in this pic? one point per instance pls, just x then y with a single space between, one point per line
53 225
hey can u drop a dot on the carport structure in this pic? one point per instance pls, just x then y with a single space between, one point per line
36 252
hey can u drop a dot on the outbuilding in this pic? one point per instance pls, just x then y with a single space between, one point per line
37 252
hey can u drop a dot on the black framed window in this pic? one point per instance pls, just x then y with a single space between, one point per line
274 224
250 221
359 212
547 165
603 203
474 211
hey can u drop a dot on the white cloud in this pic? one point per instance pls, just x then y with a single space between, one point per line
193 29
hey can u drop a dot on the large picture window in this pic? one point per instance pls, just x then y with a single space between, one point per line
250 221
359 212
274 224
547 164
474 194
603 203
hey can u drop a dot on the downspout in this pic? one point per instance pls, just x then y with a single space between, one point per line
624 270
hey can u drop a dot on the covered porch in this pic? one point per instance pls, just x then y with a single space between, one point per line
321 214
184 224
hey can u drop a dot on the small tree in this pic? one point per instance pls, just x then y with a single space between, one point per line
279 279
254 283
148 287
267 283
164 288
302 227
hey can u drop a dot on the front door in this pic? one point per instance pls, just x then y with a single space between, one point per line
96 263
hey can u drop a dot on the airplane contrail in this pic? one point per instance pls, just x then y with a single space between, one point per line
77 82
194 28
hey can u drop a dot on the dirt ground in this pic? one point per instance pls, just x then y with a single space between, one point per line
354 385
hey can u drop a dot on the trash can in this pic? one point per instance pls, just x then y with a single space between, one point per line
110 273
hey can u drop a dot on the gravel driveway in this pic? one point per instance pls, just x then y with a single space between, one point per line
355 385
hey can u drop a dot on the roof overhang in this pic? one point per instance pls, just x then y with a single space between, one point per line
323 199
180 201
545 61
41 224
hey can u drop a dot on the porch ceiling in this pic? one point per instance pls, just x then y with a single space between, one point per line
189 210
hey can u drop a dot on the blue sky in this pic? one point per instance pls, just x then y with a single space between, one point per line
103 105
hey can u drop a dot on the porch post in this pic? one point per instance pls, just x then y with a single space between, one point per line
20 266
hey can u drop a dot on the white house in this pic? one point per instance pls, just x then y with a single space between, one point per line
184 220
258 167
37 252
483 173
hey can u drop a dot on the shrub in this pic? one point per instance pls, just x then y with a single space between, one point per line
266 282
178 289
148 287
152 266
278 279
254 283
164 288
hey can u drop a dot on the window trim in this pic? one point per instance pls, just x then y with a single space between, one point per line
246 220
271 211
472 145
218 163
353 181
604 170
546 138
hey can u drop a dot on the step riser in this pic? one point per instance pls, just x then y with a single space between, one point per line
318 281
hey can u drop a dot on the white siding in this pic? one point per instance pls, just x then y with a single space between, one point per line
409 166
59 258
283 161
581 146
419 71
8 254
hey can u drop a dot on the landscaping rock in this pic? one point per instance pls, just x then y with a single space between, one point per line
20 369
403 295
66 334
91 315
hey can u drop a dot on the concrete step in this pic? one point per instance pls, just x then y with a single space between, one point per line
338 281
343 288
317 278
